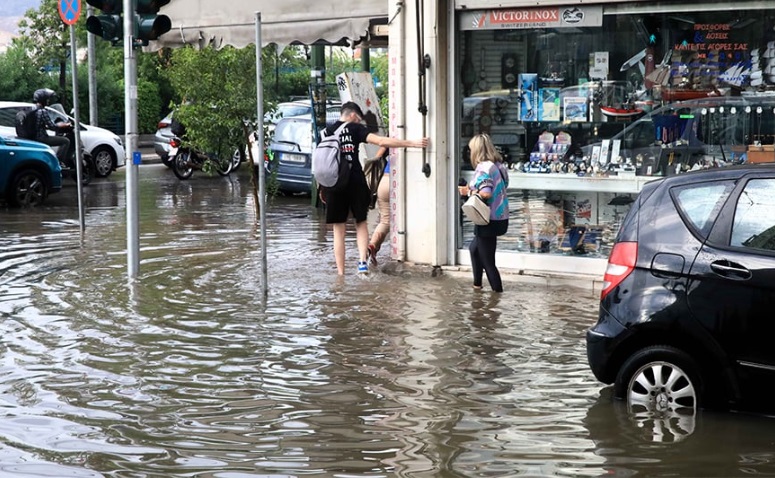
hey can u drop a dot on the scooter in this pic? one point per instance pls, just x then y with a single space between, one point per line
88 169
185 160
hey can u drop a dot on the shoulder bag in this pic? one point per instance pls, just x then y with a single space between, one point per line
476 210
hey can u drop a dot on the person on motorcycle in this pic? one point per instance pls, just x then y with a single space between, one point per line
42 98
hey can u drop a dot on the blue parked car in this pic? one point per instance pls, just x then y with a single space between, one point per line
29 172
291 150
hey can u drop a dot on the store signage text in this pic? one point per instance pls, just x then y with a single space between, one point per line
711 37
522 18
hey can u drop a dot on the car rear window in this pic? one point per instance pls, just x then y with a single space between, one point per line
294 133
700 203
754 223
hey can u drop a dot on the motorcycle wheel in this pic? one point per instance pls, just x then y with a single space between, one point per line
88 171
181 164
223 166
236 159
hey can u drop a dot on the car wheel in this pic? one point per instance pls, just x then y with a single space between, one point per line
104 160
660 379
28 189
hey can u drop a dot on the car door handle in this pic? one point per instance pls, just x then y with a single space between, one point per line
730 270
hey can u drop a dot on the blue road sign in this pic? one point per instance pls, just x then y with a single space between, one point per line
69 11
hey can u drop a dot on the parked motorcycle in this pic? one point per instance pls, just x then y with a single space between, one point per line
185 160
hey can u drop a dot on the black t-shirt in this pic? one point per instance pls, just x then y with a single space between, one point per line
350 140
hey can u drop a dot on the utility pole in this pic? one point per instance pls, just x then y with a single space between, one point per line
92 57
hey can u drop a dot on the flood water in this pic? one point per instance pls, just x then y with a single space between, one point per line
191 373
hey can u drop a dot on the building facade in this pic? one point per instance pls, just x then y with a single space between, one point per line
587 101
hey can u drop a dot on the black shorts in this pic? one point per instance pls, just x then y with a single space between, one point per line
353 199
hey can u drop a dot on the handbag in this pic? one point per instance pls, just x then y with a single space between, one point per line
476 210
373 170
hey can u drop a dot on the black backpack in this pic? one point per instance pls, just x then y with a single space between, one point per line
25 123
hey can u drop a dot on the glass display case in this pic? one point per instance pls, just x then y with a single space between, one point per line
589 102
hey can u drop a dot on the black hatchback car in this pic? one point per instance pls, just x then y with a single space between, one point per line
687 310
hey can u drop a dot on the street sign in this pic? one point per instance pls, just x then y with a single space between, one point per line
69 11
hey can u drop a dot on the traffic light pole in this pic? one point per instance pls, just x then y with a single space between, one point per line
130 107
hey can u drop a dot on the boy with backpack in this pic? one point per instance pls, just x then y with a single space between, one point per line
352 194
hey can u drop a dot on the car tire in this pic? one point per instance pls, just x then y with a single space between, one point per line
104 161
661 379
28 189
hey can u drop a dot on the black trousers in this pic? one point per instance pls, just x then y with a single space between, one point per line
482 251
61 142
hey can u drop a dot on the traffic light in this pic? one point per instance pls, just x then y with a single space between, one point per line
149 24
109 25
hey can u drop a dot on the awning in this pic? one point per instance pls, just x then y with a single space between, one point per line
284 22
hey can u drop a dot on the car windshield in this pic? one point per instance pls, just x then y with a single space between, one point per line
294 111
294 132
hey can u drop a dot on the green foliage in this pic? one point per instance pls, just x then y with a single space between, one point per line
216 87
20 76
285 74
148 106
217 91
46 39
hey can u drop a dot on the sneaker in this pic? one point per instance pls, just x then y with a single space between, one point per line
372 255
363 268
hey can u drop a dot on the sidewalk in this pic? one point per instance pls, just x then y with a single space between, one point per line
145 146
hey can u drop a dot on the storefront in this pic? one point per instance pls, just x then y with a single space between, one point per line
588 102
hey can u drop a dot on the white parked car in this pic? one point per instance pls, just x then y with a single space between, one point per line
105 147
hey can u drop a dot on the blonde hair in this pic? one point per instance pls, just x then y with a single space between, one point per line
482 149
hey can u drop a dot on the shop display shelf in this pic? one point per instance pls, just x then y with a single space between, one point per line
572 182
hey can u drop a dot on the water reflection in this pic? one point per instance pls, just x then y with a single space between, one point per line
190 373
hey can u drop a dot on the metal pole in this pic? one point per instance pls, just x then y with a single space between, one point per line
261 171
92 57
78 166
130 107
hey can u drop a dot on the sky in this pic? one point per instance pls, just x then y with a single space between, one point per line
10 14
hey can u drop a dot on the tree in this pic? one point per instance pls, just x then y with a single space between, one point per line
20 77
218 92
47 40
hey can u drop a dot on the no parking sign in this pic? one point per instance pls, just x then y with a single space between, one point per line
69 11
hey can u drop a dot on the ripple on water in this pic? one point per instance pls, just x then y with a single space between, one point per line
190 372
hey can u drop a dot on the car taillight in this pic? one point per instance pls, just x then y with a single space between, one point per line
620 263
174 142
162 125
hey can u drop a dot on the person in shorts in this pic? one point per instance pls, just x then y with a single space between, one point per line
354 199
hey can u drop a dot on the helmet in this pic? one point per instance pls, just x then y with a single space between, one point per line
43 96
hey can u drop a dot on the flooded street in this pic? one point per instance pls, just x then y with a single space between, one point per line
190 373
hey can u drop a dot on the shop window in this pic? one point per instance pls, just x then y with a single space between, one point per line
641 90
